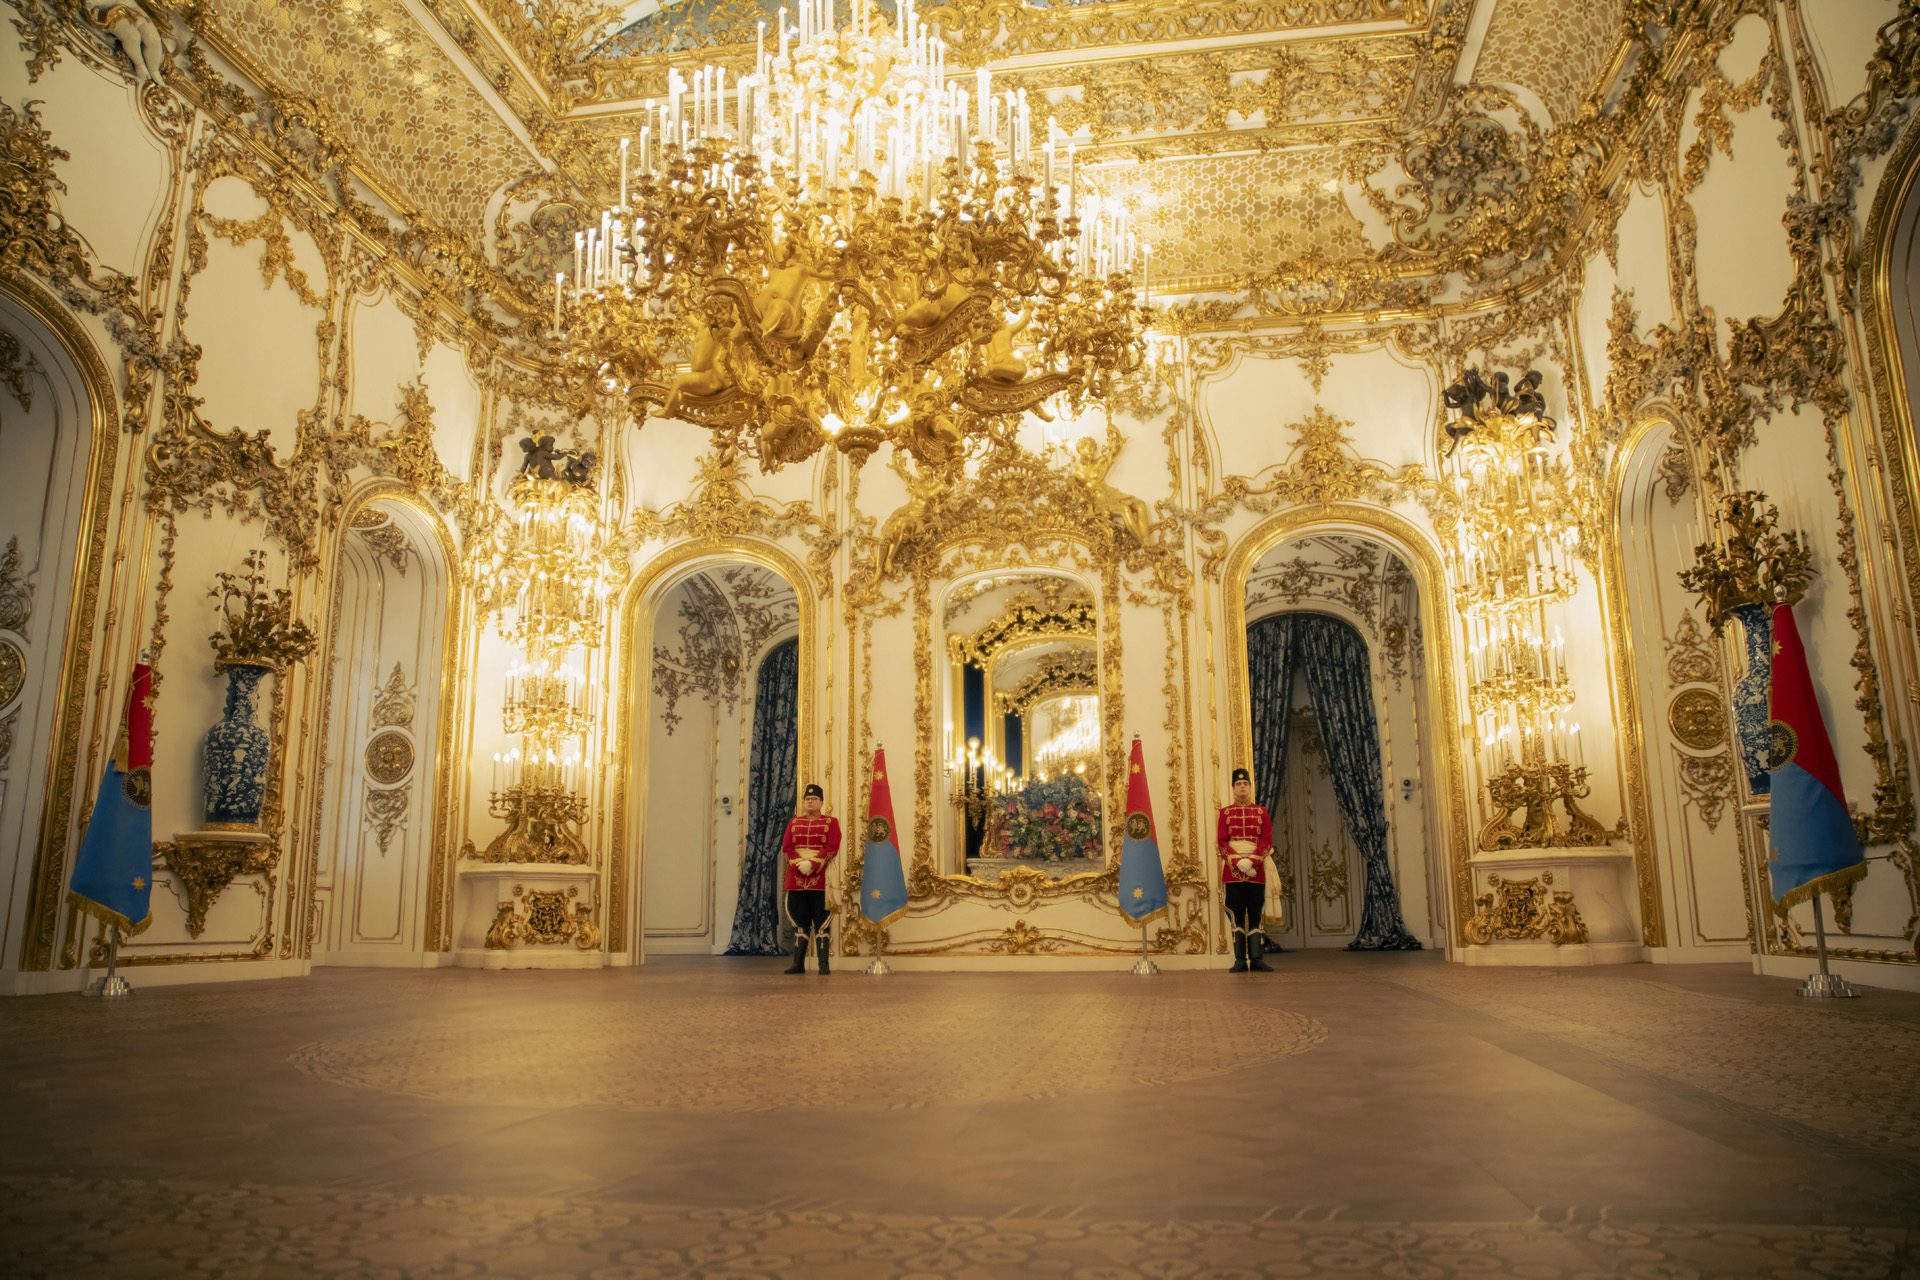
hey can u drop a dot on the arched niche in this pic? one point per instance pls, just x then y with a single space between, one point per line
683 839
59 419
385 794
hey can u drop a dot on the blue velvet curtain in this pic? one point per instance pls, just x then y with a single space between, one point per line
1333 658
772 783
1270 687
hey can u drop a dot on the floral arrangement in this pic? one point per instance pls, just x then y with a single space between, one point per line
1047 822
1755 557
257 629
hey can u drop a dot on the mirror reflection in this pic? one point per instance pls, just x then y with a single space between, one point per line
1025 743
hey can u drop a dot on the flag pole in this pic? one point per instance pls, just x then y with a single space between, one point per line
1144 967
1825 985
879 968
112 987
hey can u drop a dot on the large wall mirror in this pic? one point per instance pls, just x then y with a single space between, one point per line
1023 741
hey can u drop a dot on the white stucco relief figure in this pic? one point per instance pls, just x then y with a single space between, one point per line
138 37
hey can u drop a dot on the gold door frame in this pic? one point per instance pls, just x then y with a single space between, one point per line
1414 546
633 705
46 883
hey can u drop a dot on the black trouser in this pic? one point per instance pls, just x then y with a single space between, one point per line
1246 901
808 907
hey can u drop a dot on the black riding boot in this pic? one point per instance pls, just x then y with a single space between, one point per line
1256 943
825 947
799 964
1239 952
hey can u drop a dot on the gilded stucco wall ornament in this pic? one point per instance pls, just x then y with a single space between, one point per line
1524 910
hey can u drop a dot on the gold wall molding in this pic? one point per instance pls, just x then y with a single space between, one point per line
1322 470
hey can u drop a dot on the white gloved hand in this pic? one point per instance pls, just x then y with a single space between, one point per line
1245 865
805 865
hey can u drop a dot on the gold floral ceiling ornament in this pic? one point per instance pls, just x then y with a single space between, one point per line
845 246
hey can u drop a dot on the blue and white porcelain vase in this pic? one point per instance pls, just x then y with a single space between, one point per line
1750 696
237 753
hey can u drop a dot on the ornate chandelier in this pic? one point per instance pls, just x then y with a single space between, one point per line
844 246
1075 741
545 572
1515 539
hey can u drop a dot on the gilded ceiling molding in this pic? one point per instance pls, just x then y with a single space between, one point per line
1070 671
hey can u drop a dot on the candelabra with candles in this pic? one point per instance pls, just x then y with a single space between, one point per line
1515 539
546 572
847 246
981 781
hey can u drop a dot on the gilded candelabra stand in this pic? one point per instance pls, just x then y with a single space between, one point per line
543 824
974 798
1534 787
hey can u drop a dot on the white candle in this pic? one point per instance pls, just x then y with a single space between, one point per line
625 143
559 282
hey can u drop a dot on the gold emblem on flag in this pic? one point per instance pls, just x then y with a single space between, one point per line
1138 828
1783 744
879 830
139 787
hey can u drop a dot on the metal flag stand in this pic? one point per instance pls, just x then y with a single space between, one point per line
879 968
1824 985
1144 967
113 986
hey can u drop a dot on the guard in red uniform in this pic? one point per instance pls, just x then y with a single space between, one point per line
1245 838
811 842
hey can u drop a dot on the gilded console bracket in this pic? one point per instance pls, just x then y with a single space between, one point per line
206 862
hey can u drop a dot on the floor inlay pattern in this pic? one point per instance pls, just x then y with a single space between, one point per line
812 1049
1800 1061
81 1229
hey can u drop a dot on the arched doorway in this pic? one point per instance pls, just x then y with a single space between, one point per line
1352 601
1695 786
705 865
57 416
1341 573
379 826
